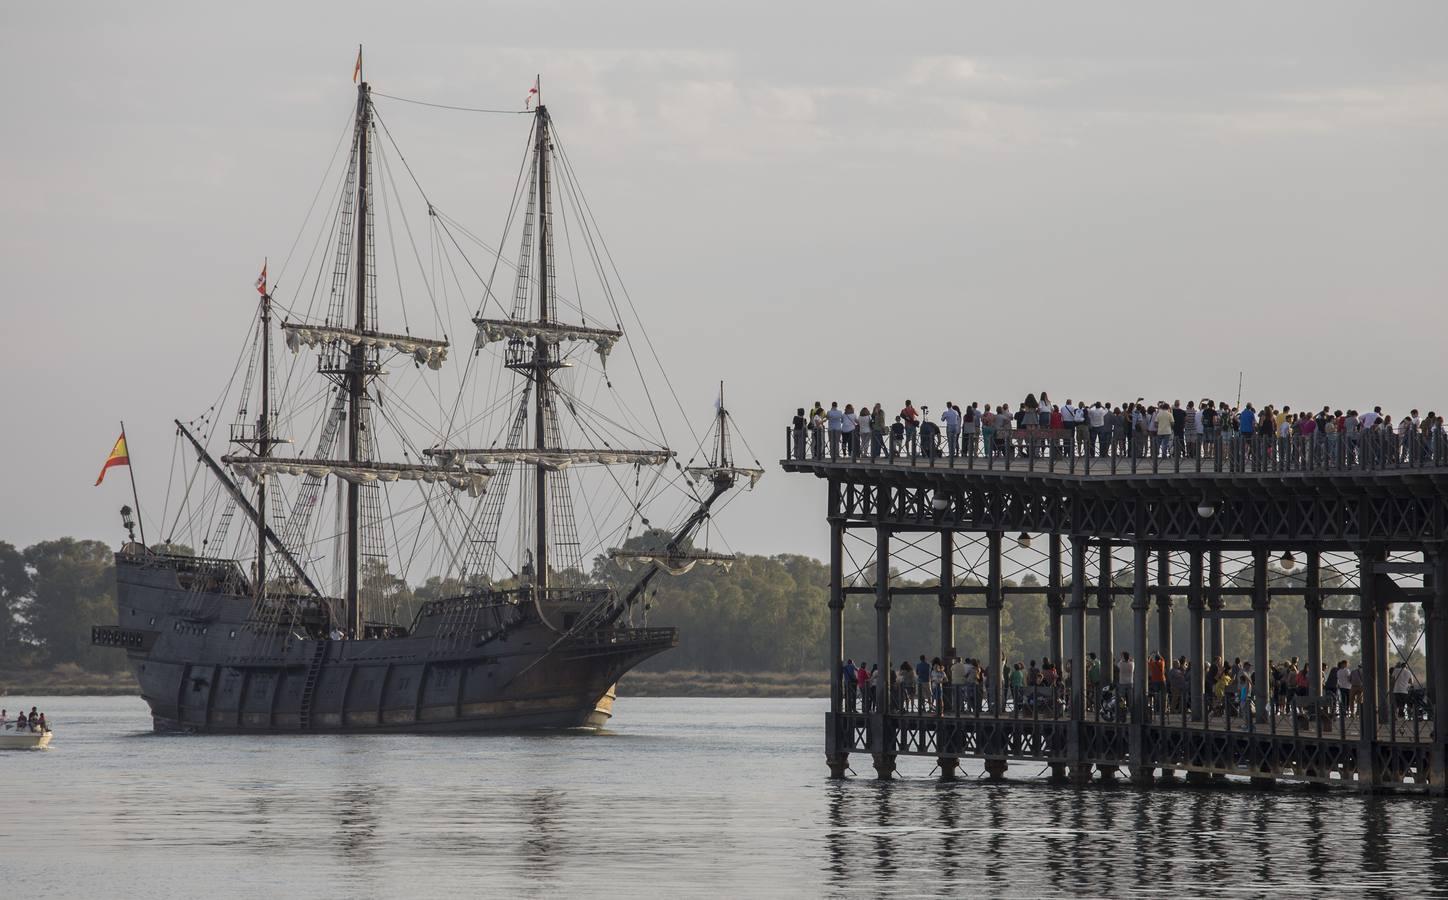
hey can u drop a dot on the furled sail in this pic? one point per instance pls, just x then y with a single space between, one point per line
677 562
427 352
491 330
701 474
474 481
554 460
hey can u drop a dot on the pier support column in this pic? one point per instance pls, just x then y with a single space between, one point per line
1197 673
835 756
995 769
882 744
1164 606
1106 603
1140 605
1370 778
994 600
947 594
1313 603
1141 769
1106 606
1437 673
884 765
1054 603
1077 709
1214 605
1382 614
949 765
1260 604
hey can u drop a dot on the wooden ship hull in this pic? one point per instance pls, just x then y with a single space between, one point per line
203 666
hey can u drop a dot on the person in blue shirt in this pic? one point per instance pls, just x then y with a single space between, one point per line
922 680
1247 420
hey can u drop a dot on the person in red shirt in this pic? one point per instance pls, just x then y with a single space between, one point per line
1156 680
912 426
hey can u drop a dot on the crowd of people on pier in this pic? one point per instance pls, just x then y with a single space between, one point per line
34 722
1039 426
964 685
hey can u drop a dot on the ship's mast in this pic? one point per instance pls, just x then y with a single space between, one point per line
357 367
263 444
541 362
721 458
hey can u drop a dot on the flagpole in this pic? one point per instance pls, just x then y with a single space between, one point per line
135 496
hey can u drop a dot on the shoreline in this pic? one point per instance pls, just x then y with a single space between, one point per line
35 683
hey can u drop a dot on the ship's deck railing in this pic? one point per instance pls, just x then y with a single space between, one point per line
607 637
1103 452
510 596
194 572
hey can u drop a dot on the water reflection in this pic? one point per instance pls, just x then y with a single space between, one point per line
1031 838
355 836
542 811
947 850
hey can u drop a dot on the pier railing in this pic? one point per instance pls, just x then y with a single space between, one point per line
1106 452
1402 718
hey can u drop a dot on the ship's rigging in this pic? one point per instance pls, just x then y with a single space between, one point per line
533 464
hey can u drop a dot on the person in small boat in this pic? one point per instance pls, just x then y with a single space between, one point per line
44 728
34 718
4 719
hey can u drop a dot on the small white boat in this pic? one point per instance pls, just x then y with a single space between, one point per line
24 740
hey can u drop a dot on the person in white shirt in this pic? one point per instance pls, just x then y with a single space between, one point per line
1096 420
1403 683
1125 675
848 423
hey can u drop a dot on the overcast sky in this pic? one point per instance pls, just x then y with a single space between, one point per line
851 201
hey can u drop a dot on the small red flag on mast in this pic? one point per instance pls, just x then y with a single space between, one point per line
261 280
357 69
532 95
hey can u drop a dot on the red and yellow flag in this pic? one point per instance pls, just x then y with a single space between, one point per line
118 457
357 69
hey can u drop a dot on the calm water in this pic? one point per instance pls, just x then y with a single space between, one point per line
681 798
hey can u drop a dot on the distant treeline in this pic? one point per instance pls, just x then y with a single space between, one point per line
762 614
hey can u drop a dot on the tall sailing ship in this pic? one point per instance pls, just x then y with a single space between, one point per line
530 615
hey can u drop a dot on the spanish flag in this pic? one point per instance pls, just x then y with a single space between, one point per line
118 457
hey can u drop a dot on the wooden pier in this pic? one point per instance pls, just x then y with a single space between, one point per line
1349 530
